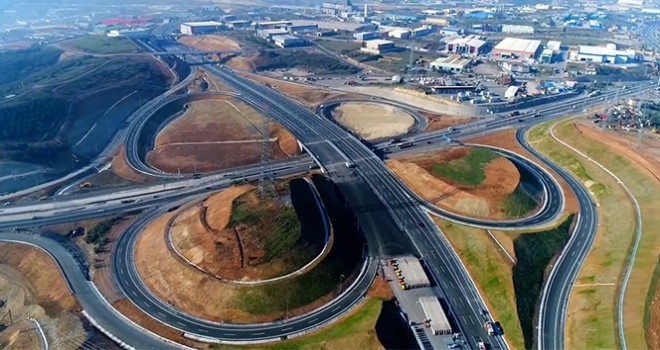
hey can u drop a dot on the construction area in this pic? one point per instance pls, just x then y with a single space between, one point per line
435 316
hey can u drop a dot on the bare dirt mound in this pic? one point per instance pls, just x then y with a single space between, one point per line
210 43
217 134
229 236
374 121
485 200
32 285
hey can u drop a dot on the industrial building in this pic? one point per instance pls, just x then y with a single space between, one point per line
302 29
441 21
364 36
269 33
514 48
516 29
240 24
378 46
288 40
470 45
451 64
128 33
402 33
272 24
422 31
435 315
451 31
337 8
603 54
369 27
413 272
196 28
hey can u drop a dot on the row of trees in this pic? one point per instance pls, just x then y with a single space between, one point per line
315 62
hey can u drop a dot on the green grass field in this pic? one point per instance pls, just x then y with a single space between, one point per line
608 257
96 44
468 170
356 331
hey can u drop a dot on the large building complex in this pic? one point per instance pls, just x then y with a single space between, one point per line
514 48
196 28
603 54
336 8
470 45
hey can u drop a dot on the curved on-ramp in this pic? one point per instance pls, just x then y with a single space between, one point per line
557 288
196 328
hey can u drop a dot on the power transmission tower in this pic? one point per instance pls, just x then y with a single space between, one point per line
266 187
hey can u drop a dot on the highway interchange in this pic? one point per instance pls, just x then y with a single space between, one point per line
393 218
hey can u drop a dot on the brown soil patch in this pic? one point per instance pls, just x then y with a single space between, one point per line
31 285
374 121
441 121
204 139
309 95
507 139
210 43
484 200
191 290
120 167
202 235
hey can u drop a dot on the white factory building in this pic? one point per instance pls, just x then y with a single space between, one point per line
128 33
269 33
196 28
451 64
378 46
514 48
515 29
603 54
400 33
470 45
288 40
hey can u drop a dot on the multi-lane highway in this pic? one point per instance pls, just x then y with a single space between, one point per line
400 226
390 215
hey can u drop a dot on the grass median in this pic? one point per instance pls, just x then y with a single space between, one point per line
591 316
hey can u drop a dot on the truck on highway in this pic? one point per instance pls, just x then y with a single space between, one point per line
349 164
405 144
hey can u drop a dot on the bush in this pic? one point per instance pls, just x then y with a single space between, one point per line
97 235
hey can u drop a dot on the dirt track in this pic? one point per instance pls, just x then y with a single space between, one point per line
374 121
